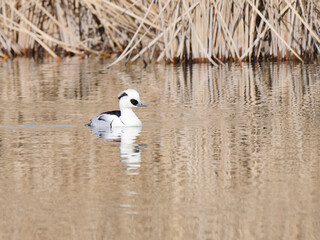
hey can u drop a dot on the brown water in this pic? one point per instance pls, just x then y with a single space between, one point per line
224 153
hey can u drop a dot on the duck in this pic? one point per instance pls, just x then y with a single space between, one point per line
125 117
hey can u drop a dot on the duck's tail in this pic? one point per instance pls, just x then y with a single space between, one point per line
88 124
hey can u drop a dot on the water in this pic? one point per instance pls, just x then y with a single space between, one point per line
224 153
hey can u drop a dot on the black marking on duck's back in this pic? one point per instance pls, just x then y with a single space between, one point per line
101 118
122 95
117 113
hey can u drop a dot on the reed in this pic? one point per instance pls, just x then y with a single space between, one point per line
173 31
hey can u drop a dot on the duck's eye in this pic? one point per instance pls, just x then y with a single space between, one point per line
134 102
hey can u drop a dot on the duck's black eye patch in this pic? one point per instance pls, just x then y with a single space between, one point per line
122 95
134 102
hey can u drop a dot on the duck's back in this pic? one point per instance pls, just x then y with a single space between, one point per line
105 120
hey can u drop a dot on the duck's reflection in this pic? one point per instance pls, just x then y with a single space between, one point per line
129 150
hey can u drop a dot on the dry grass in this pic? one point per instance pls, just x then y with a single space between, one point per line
171 30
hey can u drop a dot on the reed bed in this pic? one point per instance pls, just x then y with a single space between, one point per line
164 30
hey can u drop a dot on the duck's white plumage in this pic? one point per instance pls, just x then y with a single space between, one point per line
125 117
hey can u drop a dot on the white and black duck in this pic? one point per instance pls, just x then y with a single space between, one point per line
125 117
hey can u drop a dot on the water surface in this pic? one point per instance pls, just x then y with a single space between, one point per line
224 153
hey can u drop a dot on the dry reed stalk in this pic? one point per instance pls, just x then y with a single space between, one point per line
305 24
194 33
128 50
231 44
154 41
176 31
274 30
165 38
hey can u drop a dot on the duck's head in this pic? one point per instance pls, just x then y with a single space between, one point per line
129 98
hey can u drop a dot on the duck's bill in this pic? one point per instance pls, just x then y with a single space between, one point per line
140 104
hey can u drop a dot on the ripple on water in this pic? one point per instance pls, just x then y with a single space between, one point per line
224 153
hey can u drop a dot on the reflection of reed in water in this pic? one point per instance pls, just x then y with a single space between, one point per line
249 84
252 149
248 165
285 95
